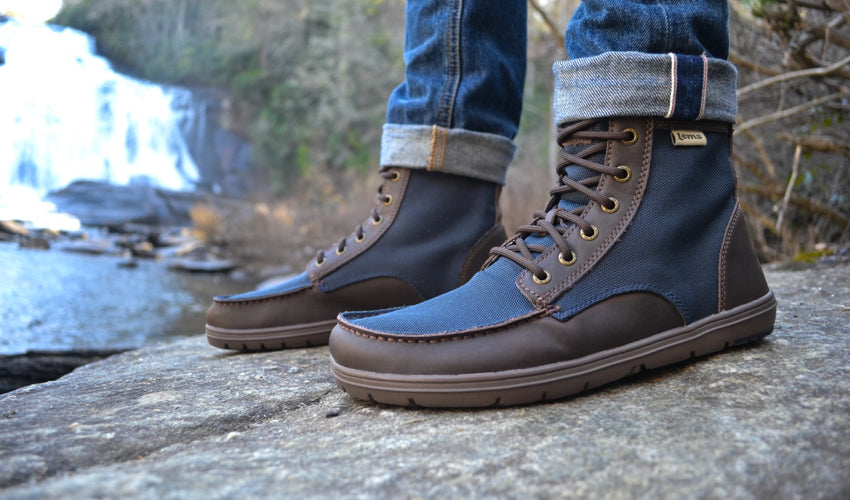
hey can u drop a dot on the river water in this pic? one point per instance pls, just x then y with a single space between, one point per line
55 300
67 115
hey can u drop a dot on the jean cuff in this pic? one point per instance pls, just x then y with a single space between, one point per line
619 84
453 151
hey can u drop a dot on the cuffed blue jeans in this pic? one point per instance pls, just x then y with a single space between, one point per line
458 109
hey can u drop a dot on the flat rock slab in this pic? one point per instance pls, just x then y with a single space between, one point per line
184 420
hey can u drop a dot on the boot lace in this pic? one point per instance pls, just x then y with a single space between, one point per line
375 217
555 221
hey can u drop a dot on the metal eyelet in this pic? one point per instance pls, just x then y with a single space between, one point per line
567 262
389 200
360 239
633 140
339 252
320 263
543 281
396 176
589 237
377 221
612 209
627 174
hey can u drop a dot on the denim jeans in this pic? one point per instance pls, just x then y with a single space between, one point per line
461 100
660 58
458 109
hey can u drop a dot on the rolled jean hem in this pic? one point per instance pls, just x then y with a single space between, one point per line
453 151
620 84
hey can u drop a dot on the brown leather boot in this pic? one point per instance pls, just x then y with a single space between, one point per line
428 233
640 259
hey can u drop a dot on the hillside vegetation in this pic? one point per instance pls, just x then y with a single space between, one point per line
308 81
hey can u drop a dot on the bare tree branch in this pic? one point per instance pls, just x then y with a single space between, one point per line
765 157
812 206
557 33
820 144
795 171
772 117
805 73
741 62
824 31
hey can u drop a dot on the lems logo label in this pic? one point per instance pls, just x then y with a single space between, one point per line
688 138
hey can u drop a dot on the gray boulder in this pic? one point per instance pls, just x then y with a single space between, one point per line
98 203
184 420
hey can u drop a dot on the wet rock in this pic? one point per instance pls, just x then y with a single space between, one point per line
13 228
183 420
144 249
182 249
91 247
127 263
97 203
202 266
34 243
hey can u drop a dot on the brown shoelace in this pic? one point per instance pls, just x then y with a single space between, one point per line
374 217
555 221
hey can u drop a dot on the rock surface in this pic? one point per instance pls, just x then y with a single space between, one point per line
97 203
184 420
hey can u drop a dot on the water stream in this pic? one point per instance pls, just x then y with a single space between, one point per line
59 301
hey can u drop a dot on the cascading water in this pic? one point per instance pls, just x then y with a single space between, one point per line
66 115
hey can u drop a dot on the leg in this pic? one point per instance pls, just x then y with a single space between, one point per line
640 259
461 100
445 149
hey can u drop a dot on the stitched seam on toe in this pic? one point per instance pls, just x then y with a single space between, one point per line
447 337
264 299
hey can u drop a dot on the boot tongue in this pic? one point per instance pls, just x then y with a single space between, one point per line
574 146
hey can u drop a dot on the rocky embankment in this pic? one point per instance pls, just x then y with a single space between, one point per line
183 420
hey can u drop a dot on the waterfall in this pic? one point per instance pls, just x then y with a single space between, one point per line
66 115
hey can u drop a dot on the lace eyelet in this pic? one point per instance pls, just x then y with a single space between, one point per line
633 140
396 176
546 279
589 237
360 239
567 262
612 209
389 200
339 252
627 174
377 221
320 263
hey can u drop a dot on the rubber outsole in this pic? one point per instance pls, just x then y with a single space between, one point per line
270 339
740 326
